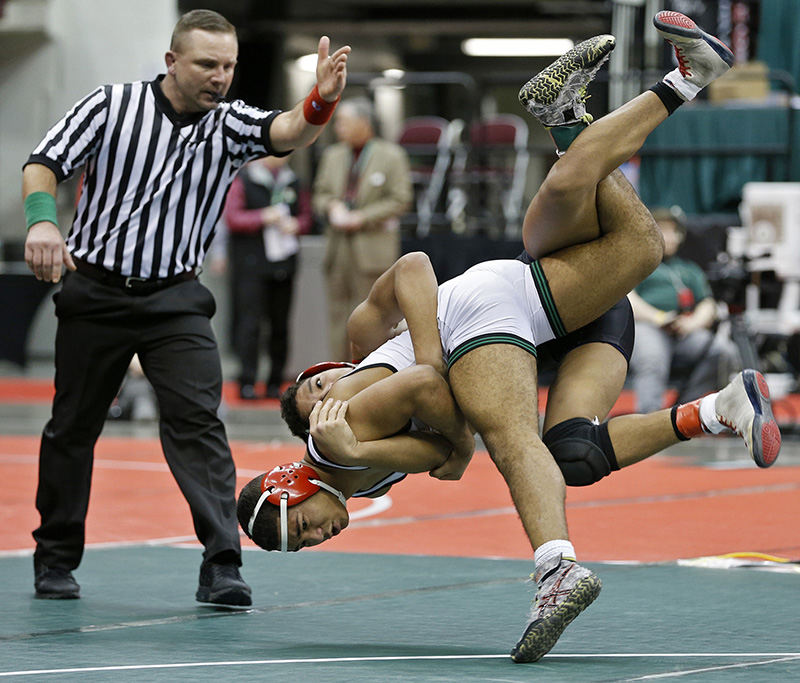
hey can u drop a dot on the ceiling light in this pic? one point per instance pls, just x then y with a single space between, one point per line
394 74
516 47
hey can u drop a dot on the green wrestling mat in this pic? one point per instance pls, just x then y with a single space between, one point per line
321 616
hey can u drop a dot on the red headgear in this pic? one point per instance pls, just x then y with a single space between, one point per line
322 367
294 479
287 485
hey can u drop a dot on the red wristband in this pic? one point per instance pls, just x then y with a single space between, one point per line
316 110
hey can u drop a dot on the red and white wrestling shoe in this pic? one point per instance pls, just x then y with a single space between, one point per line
744 407
701 57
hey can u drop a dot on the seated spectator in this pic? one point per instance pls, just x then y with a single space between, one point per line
675 315
265 211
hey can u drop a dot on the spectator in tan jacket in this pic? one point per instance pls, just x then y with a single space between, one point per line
362 187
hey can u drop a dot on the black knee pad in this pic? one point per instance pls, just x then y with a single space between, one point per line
582 449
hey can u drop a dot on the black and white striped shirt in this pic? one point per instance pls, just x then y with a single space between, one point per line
155 182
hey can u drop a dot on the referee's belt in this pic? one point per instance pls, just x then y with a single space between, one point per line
132 285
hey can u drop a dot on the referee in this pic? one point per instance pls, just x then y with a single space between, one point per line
158 158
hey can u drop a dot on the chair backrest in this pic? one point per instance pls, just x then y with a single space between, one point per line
499 153
423 131
426 139
501 130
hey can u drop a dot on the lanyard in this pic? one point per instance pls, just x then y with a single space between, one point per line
683 293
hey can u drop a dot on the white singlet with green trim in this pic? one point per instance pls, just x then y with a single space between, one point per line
492 302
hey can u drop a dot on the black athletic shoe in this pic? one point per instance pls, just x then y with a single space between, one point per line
55 583
222 584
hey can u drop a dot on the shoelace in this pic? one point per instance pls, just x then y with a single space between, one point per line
683 67
741 419
550 599
729 424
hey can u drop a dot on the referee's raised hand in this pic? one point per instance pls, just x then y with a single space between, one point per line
46 252
331 69
302 125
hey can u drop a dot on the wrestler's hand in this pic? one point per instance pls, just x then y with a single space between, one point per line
454 467
398 329
331 70
436 361
46 252
330 431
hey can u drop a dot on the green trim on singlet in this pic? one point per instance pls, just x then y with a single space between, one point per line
485 340
546 297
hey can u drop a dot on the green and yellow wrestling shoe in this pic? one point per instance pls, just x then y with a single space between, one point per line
556 96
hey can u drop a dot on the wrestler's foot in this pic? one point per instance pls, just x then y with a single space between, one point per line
565 590
744 407
701 57
556 95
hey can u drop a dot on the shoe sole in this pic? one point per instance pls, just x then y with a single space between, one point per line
58 596
542 634
676 25
232 598
765 437
545 87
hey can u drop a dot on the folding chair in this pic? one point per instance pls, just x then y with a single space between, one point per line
426 140
498 169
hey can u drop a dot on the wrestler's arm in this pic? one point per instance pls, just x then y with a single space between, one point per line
409 290
384 409
412 452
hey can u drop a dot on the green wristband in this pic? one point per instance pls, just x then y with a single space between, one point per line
40 206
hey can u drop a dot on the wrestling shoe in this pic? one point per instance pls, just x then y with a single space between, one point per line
556 96
222 584
565 590
701 57
744 407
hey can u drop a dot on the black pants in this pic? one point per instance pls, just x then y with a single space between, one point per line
99 330
261 292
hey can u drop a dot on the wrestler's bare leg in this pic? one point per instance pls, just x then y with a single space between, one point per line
588 279
588 383
563 212
495 386
503 411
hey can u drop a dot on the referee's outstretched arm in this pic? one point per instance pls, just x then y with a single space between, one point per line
303 124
